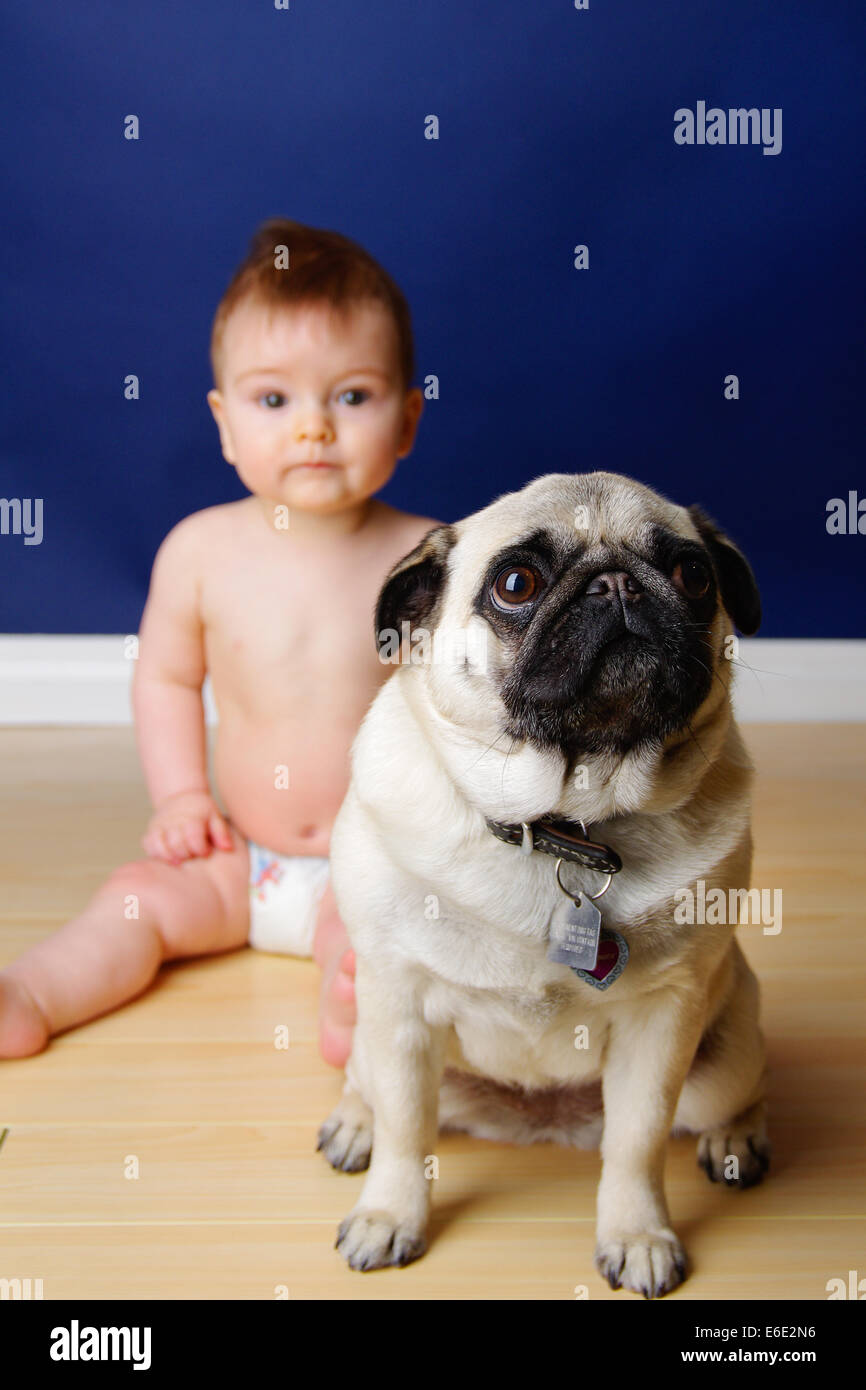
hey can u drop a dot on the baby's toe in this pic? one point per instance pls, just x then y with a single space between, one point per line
23 1029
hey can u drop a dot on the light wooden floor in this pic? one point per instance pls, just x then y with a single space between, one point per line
232 1200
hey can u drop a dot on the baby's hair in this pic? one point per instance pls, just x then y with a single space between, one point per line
323 268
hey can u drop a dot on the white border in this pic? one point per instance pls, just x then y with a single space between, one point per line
85 680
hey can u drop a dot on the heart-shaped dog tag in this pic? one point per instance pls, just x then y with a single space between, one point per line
611 962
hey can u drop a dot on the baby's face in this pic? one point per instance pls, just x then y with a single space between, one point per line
311 412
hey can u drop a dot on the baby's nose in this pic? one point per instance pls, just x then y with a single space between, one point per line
314 425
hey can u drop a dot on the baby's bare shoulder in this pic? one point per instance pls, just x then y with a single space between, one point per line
187 555
404 529
201 535
210 523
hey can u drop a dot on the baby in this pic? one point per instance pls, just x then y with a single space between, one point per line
273 596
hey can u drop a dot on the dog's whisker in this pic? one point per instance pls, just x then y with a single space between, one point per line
489 749
504 761
694 736
705 667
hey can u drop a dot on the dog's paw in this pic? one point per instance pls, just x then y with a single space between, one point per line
370 1239
650 1262
736 1156
346 1137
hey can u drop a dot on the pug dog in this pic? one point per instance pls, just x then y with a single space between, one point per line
550 768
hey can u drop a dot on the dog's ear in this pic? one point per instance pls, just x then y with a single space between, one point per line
738 585
412 588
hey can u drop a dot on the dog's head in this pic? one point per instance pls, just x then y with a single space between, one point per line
593 614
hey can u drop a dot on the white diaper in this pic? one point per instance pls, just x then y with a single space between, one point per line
285 892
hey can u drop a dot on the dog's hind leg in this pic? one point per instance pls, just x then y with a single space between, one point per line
346 1137
722 1098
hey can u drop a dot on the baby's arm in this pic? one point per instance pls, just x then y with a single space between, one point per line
167 704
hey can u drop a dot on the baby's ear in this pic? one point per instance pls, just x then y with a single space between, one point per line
411 415
412 589
215 401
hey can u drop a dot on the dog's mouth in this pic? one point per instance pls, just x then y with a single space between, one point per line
609 683
564 670
623 664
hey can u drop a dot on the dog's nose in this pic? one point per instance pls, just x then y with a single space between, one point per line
611 583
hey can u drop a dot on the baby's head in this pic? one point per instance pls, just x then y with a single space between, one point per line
313 362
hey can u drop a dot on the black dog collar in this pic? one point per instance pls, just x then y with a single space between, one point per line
566 839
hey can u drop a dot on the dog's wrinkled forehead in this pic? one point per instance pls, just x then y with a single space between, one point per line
569 514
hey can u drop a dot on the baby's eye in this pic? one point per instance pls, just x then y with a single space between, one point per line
273 399
360 396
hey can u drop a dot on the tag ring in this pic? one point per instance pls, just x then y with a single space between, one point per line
576 897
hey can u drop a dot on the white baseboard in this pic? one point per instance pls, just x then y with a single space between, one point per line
784 680
85 680
69 680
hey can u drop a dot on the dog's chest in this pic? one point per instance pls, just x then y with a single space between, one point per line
520 1036
515 1016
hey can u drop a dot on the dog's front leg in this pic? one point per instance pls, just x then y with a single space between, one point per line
650 1047
404 1059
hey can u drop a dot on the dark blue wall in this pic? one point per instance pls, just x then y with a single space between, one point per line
556 128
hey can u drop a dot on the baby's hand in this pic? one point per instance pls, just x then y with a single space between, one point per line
186 826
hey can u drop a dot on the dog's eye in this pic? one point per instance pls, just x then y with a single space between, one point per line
692 577
516 585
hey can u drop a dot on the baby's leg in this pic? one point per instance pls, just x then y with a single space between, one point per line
145 913
334 956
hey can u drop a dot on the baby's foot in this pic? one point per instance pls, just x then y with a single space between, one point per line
337 1009
23 1028
336 961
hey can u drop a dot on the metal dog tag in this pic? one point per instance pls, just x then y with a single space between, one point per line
575 930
